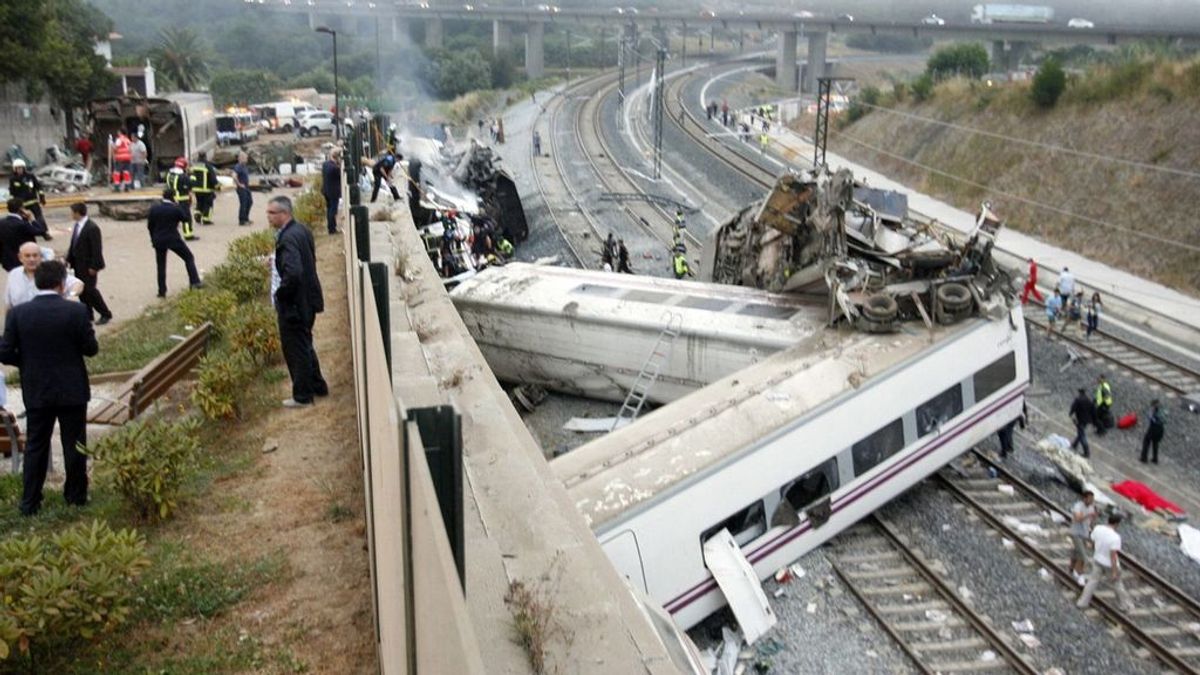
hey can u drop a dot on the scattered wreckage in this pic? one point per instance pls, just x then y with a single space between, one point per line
829 234
466 207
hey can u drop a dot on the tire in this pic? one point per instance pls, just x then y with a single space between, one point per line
287 129
880 308
954 296
314 132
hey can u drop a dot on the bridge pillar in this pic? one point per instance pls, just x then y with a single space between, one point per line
785 61
435 32
817 44
501 36
398 26
1007 55
313 21
535 65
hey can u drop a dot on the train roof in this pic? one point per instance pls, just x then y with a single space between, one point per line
632 465
607 297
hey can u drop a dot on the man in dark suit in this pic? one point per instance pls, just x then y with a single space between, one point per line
47 339
298 300
331 188
163 222
18 227
86 257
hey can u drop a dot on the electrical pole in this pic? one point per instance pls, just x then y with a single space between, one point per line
821 133
568 56
659 105
621 72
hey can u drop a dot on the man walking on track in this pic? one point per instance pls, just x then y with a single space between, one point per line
1031 284
47 339
298 300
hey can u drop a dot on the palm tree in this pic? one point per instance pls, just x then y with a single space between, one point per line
180 56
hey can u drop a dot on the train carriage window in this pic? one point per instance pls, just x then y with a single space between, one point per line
805 492
877 447
995 376
935 412
745 525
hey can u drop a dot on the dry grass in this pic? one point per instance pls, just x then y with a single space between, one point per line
1146 124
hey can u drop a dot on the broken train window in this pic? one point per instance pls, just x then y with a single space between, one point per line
935 412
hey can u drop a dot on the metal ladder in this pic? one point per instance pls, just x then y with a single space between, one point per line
650 371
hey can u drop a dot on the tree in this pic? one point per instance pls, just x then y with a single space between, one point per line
450 74
49 47
181 57
922 88
1048 84
961 60
233 86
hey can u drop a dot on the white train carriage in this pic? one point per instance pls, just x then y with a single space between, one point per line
589 333
791 451
174 125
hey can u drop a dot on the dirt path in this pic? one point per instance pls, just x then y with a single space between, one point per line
128 282
303 500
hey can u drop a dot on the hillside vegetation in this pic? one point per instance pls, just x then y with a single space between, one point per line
1144 110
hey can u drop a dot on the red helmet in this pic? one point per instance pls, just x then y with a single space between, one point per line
181 162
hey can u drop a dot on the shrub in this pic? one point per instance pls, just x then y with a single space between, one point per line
210 304
922 88
221 380
77 583
147 462
253 245
254 331
246 277
309 206
965 60
1048 84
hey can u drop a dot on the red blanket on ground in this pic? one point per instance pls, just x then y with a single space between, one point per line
1143 495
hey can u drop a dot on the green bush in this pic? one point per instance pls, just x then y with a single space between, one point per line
255 332
1048 84
309 206
253 245
77 583
922 88
210 304
960 60
222 377
147 462
246 277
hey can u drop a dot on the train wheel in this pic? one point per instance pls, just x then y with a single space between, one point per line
880 308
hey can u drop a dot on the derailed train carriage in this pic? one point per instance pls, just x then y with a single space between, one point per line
174 125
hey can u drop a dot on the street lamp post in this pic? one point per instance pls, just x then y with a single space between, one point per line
337 101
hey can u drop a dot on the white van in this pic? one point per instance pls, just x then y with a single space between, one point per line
281 116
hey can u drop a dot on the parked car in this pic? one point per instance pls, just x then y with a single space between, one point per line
237 127
848 18
933 20
804 14
280 116
316 122
1080 23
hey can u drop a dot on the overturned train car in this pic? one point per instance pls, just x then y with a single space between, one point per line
175 125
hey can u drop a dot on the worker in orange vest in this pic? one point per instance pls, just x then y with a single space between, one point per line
122 156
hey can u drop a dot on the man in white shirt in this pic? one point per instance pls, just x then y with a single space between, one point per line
21 289
1083 519
1066 285
1106 567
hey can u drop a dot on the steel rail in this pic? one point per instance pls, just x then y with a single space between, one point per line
1107 608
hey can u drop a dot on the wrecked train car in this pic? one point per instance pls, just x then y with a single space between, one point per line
175 125
829 235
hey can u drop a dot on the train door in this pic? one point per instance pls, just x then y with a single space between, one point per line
625 555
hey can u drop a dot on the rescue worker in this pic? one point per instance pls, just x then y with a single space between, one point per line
203 179
681 265
623 258
393 139
25 186
1031 284
122 162
181 188
383 172
679 218
763 141
505 248
1104 401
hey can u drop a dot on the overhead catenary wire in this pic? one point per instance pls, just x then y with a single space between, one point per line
1018 198
1035 144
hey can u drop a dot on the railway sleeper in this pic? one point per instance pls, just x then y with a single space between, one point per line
973 642
926 626
904 572
913 607
912 589
969 666
1155 611
859 558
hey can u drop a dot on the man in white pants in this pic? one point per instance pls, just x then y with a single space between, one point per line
1106 567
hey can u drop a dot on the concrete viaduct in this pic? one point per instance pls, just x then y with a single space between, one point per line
1008 41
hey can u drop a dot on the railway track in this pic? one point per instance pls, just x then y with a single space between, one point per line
1165 621
574 222
923 615
1174 377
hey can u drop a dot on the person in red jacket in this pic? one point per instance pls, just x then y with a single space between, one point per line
1031 284
122 164
84 147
